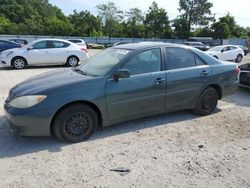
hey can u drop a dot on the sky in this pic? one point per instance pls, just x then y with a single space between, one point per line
240 9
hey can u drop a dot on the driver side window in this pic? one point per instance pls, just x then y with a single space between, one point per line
145 62
40 45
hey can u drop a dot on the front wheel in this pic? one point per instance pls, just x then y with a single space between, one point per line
207 102
239 58
19 63
75 123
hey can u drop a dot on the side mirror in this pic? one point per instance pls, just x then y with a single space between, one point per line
222 50
30 48
121 73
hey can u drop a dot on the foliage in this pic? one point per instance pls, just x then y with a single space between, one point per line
111 16
39 17
195 12
157 22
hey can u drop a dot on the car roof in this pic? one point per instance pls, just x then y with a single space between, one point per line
142 45
51 39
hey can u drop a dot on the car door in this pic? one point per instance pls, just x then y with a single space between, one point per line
227 54
38 53
143 92
186 76
58 51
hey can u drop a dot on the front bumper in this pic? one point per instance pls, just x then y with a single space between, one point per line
27 122
5 62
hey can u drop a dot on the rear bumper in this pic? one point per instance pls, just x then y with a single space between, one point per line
230 88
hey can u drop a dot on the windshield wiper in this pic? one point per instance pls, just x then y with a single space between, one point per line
82 72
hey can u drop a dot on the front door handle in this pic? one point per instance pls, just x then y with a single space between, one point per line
159 80
204 73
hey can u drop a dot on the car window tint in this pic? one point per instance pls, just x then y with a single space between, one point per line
40 45
199 61
75 41
5 43
145 62
226 49
233 48
59 44
179 58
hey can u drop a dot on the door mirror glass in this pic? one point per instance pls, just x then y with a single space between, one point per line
121 73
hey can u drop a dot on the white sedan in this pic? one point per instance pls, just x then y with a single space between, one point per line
44 52
227 53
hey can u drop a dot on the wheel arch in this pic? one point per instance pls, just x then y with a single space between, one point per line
73 56
90 104
18 56
217 88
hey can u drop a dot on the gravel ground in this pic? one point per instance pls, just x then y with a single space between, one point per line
174 150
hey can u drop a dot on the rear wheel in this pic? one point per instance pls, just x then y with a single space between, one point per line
72 61
75 123
239 58
19 63
207 102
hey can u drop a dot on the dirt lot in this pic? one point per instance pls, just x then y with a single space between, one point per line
174 150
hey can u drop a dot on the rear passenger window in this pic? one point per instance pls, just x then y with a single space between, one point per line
199 61
178 58
59 44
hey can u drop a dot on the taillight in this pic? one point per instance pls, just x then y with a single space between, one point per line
237 70
84 49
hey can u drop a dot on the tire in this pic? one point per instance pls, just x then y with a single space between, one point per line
207 102
75 123
239 58
19 63
72 61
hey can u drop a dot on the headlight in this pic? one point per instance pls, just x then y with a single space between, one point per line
6 54
27 101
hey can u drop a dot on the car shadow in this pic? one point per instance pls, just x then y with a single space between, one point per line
11 146
34 67
240 98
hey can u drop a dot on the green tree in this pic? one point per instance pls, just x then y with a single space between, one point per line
85 23
195 12
111 17
157 22
181 28
34 17
221 30
4 24
134 26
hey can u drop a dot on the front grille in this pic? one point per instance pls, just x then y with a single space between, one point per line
245 78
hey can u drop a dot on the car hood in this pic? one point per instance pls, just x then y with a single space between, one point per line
41 83
12 50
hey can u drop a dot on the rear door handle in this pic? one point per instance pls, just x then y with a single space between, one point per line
204 73
159 80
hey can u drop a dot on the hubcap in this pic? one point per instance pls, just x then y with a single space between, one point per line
208 101
73 61
78 124
19 63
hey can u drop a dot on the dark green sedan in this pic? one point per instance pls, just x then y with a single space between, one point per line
119 84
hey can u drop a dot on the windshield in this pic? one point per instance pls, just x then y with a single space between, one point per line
103 62
216 48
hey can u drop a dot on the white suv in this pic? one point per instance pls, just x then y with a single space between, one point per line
44 52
